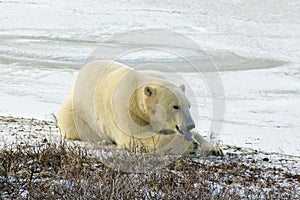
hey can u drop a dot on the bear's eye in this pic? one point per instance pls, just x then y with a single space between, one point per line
176 107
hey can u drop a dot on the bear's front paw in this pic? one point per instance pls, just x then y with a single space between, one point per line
211 151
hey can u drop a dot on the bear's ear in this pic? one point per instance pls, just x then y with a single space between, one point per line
182 87
149 91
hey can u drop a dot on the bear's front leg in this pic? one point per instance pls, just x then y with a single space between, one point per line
203 148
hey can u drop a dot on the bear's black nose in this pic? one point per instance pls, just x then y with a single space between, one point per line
190 127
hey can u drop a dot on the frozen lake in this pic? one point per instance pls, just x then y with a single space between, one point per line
255 45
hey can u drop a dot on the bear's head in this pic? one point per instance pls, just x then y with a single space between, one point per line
168 109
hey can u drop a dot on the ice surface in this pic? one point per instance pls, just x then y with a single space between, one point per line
255 45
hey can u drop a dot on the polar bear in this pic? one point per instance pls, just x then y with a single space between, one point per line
136 110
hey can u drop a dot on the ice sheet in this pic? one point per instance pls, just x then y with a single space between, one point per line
255 45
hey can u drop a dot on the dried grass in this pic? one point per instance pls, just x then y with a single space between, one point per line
49 170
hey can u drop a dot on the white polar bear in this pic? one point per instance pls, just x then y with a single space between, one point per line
136 110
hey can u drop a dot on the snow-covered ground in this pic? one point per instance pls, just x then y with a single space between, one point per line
255 44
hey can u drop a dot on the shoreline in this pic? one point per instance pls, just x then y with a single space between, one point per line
31 128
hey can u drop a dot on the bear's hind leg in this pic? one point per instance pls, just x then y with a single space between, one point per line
66 122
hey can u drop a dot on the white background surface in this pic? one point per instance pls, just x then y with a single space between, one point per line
43 44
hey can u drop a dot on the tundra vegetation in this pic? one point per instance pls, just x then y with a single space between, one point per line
36 163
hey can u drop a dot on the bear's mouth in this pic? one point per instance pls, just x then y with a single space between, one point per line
167 132
187 134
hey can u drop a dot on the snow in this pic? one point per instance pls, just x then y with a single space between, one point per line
254 44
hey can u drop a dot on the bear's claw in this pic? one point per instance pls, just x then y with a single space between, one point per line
213 151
